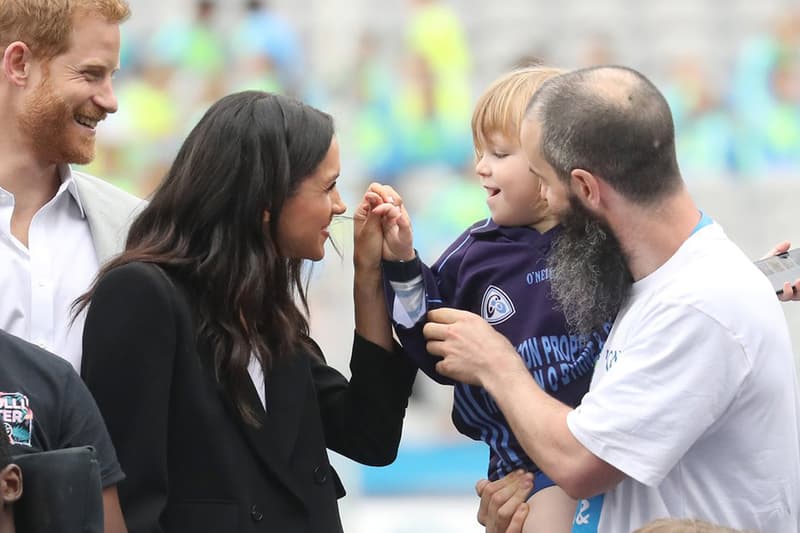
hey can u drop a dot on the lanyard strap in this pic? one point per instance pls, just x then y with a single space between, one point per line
705 220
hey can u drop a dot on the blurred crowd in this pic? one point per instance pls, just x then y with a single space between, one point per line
403 109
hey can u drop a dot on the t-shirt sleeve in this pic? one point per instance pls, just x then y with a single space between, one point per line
664 387
82 424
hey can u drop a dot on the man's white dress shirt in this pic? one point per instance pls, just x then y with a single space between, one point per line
39 283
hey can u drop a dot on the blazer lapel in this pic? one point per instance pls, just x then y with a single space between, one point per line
273 440
286 396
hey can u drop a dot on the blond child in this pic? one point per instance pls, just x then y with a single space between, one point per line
497 268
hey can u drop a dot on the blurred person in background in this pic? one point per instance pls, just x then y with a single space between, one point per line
376 130
757 89
201 320
598 49
195 44
198 62
266 40
692 383
418 115
439 66
781 123
704 127
498 269
140 139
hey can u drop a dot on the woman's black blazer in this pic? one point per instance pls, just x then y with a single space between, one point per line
192 464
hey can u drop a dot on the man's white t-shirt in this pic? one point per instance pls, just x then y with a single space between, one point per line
695 397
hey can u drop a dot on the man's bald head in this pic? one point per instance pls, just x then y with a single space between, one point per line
612 122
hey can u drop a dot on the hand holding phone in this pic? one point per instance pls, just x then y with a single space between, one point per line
783 271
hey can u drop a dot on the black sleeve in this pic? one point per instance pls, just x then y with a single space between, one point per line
363 419
129 346
81 425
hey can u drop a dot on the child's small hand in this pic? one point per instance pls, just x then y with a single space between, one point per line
398 240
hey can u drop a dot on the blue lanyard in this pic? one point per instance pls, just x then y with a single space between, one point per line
705 220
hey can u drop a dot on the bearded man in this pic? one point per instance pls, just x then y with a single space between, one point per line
693 410
57 225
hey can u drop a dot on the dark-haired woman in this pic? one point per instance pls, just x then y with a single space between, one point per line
219 404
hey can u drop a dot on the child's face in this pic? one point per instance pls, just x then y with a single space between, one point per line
514 193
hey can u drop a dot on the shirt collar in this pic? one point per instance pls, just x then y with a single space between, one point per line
68 183
485 226
489 227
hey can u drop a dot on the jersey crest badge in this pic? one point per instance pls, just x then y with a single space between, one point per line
496 306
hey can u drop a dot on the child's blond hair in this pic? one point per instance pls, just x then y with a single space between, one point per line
501 108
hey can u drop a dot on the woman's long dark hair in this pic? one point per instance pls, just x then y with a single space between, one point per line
205 226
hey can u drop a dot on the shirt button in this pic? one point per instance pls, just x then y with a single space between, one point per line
320 475
256 514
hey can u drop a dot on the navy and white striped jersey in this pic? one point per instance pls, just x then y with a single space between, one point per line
499 273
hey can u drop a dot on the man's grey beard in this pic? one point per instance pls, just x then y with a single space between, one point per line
589 275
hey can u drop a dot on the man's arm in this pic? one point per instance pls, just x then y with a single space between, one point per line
473 352
539 422
112 512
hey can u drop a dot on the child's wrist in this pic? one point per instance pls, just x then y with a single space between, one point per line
408 256
403 270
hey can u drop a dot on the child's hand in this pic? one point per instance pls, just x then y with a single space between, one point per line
398 240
